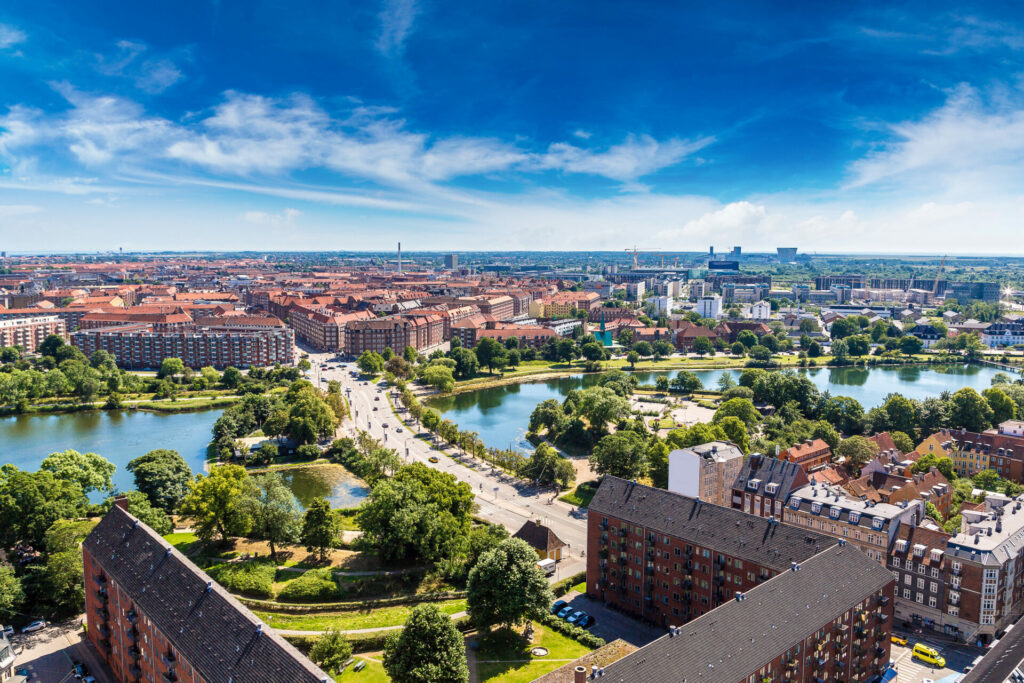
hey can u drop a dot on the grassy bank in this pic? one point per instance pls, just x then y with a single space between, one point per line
352 620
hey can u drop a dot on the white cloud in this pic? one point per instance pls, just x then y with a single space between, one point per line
582 134
153 75
633 158
396 20
967 145
284 219
11 36
11 210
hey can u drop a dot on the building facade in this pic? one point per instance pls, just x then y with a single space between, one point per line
421 332
706 471
29 333
155 616
763 485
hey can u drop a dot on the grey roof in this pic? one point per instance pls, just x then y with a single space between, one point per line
728 531
214 632
788 475
738 638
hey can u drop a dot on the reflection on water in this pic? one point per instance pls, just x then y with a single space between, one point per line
501 414
341 488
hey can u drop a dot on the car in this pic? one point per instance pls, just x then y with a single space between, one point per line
385 425
434 459
556 608
586 621
576 616
899 640
399 430
375 407
8 631
36 625
564 612
928 655
376 398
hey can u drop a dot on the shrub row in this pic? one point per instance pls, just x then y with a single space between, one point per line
254 579
562 587
295 608
365 642
315 585
582 636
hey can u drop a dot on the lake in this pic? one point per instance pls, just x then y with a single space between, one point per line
118 435
501 414
341 488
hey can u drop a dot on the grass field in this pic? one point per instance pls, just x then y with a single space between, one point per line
503 657
581 495
373 673
354 620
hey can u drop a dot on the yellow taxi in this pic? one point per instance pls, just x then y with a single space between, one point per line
899 640
928 655
433 459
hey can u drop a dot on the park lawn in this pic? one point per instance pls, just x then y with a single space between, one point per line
373 673
351 621
581 495
184 541
503 657
347 518
580 587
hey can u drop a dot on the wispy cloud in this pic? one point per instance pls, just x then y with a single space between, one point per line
9 210
285 219
635 157
153 74
396 22
11 36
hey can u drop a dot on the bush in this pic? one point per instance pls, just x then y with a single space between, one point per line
562 587
331 651
308 451
315 585
582 636
246 578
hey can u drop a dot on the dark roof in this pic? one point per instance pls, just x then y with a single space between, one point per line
788 476
539 536
214 632
729 531
736 639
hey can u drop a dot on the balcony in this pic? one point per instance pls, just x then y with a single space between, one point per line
100 580
102 595
103 613
883 600
132 635
882 618
132 617
169 676
105 643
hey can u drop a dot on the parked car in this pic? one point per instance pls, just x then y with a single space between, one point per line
385 425
376 398
586 621
8 631
36 625
399 430
433 459
575 616
375 407
899 640
564 612
559 604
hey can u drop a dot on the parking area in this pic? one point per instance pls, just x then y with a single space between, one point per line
910 670
47 654
610 624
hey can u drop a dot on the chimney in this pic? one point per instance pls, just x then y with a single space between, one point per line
121 501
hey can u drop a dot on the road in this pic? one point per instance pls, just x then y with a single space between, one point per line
501 498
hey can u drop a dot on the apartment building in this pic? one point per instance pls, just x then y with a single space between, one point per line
155 616
887 487
917 561
6 658
138 346
421 332
710 306
323 329
810 455
828 618
870 526
764 484
1005 333
29 333
706 471
670 558
161 322
1000 449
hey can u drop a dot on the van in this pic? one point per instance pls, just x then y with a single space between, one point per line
928 655
546 566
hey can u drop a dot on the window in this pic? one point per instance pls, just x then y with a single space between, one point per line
920 584
815 508
896 562
896 576
907 578
877 523
953 610
935 572
854 517
920 597
906 593
834 512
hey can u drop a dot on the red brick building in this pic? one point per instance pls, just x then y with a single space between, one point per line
810 455
29 333
155 616
395 332
668 558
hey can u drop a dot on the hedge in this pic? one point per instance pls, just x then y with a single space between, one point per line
580 635
315 585
247 578
563 586
365 642
296 608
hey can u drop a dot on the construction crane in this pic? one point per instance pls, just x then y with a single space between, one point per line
935 287
636 251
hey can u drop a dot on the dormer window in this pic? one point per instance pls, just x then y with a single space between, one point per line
753 484
877 523
854 517
834 513
901 545
936 554
795 503
771 489
919 550
816 508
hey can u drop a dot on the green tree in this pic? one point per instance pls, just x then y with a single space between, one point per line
217 503
857 450
370 363
439 377
740 408
1003 407
827 433
59 584
911 345
600 405
506 587
275 513
702 346
484 538
901 413
686 382
466 363
139 505
988 480
491 353
633 357
929 460
90 471
330 651
32 501
736 432
320 527
969 410
163 475
12 595
428 649
903 441
622 454
309 416
170 368
232 377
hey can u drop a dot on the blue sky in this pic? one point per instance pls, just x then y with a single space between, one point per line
328 125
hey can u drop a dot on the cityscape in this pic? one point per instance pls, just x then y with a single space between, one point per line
422 343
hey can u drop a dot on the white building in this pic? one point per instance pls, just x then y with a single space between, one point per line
706 471
663 305
710 307
635 291
762 310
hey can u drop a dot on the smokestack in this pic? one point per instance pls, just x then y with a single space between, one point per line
579 675
399 258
